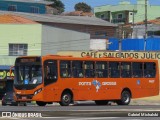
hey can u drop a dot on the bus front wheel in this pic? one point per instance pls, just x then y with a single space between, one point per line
40 103
125 98
101 102
66 99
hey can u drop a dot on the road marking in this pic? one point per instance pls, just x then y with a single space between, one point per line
133 119
95 118
28 118
117 110
10 118
52 117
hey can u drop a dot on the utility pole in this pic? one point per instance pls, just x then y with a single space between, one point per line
146 19
120 39
133 24
145 36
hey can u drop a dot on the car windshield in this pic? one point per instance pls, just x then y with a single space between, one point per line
9 94
28 74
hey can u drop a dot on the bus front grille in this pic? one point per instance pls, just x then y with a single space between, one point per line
29 96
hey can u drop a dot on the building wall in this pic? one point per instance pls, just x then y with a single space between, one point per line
21 34
55 39
47 38
114 10
152 12
139 30
139 10
22 7
94 31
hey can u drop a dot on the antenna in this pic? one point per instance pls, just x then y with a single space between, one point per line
125 0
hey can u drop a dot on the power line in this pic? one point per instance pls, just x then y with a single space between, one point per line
54 43
49 45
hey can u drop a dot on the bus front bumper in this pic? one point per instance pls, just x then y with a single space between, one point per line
21 98
27 97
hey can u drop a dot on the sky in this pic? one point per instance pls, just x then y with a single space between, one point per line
69 4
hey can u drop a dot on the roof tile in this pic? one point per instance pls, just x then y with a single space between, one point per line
8 19
77 20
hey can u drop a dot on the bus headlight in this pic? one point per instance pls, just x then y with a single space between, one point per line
37 91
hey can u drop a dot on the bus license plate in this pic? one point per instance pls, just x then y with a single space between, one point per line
24 97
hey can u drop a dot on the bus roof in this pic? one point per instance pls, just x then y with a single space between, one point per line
89 58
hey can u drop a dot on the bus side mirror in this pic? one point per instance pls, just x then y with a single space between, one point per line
10 72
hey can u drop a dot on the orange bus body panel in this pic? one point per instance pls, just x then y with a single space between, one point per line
83 89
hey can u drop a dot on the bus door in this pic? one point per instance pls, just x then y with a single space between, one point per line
50 78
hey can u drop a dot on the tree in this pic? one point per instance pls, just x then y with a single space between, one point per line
81 6
57 5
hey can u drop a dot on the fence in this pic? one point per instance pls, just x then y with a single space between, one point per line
150 44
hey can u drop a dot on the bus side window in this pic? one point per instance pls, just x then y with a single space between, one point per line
137 69
101 69
65 69
114 68
125 69
89 69
149 70
77 69
50 70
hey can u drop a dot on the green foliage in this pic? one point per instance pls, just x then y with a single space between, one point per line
57 5
81 6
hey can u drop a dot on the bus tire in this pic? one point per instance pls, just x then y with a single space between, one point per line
125 98
40 103
66 99
101 102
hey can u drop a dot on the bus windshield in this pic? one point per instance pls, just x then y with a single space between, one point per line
28 74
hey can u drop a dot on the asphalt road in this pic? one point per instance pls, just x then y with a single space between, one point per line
81 112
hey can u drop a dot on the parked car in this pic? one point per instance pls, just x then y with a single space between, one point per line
8 99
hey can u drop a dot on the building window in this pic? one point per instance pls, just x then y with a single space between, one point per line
101 34
18 49
12 8
120 16
34 9
102 16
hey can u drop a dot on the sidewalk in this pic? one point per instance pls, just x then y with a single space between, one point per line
154 100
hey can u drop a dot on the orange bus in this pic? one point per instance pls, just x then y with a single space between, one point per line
65 79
